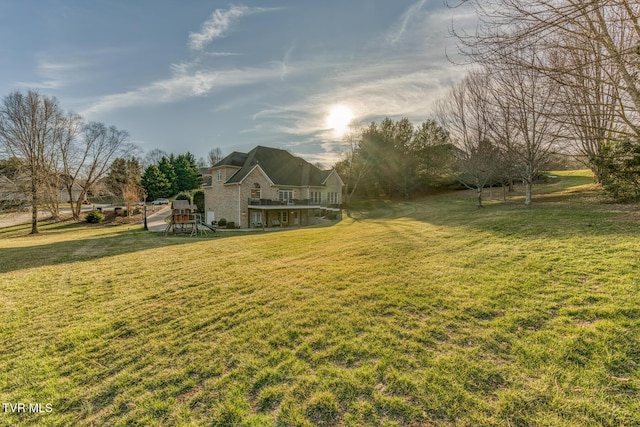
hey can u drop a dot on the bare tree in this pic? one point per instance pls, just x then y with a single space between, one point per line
352 168
86 151
215 155
154 157
588 102
467 113
99 145
72 156
529 136
28 130
604 32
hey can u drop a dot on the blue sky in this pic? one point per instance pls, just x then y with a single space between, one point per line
193 75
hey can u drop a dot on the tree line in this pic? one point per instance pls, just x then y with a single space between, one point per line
56 150
396 159
551 77
165 175
170 174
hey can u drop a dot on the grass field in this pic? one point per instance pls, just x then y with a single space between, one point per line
421 313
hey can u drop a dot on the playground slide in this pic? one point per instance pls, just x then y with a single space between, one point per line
210 227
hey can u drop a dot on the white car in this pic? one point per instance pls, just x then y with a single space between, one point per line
160 202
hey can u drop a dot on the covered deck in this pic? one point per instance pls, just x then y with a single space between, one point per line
275 213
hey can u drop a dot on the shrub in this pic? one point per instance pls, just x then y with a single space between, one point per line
231 224
94 217
198 200
222 222
184 196
621 171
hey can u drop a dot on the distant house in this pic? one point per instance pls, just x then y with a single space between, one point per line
10 193
269 187
206 176
76 192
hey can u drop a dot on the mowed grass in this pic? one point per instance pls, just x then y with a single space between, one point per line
421 313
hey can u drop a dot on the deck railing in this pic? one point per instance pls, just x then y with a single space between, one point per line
292 202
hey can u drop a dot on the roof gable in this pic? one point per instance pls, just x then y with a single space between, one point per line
327 175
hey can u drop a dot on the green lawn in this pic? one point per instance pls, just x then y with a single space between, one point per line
421 313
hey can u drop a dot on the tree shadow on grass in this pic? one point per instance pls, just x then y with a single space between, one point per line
568 213
85 247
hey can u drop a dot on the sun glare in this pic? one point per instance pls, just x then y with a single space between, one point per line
339 119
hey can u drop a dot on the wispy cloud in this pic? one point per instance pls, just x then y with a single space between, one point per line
414 74
405 86
63 68
219 24
216 26
400 75
411 14
56 71
183 85
193 78
285 61
222 54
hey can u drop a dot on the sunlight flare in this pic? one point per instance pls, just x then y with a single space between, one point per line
339 119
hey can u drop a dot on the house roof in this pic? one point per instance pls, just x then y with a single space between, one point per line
282 167
182 204
234 159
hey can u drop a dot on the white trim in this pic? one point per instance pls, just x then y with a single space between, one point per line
261 170
333 171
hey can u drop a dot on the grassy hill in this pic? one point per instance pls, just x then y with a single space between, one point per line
429 312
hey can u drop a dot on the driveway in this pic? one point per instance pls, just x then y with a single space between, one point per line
156 216
15 218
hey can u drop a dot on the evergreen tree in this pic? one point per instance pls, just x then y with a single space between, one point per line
187 172
435 155
155 183
621 170
124 180
123 173
166 167
11 167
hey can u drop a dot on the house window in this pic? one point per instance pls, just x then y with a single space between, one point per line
285 196
316 197
219 176
255 191
332 198
284 217
256 219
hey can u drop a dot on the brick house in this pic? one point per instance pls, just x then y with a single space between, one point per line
269 187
